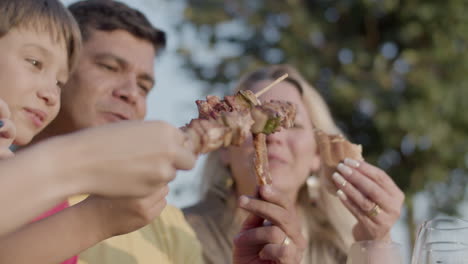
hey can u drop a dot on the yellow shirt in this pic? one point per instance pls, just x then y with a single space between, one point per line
168 239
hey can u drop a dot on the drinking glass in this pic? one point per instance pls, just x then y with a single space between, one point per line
442 241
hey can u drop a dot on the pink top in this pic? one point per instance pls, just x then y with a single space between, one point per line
56 209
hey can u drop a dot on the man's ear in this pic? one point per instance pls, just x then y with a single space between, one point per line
225 156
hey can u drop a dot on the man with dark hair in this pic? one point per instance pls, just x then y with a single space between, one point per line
111 83
116 70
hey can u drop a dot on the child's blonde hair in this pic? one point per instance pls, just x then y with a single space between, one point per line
44 16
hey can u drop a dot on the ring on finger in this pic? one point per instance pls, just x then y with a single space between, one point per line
375 211
286 241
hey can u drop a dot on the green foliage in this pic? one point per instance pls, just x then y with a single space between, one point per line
394 72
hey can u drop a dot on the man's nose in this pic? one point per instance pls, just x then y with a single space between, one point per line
127 91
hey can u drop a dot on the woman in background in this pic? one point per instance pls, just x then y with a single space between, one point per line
327 221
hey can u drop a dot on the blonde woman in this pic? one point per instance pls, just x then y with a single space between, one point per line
329 223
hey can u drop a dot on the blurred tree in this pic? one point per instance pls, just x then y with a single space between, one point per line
392 71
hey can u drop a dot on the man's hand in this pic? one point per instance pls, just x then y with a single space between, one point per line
121 216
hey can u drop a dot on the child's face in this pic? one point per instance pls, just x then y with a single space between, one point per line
33 67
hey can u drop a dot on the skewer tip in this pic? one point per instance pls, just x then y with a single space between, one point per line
275 82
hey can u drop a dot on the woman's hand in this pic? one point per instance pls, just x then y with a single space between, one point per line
7 131
371 196
276 240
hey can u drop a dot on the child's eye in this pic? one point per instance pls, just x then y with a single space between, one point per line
35 63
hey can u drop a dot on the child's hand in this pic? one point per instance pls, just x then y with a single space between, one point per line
7 131
129 159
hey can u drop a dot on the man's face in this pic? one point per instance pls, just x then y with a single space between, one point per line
114 75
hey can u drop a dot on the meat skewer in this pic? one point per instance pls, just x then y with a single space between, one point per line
229 122
222 124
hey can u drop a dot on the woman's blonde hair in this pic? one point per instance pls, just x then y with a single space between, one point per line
328 223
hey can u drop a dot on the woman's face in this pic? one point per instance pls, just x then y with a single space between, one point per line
292 153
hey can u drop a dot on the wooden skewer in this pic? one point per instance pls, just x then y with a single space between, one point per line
264 90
